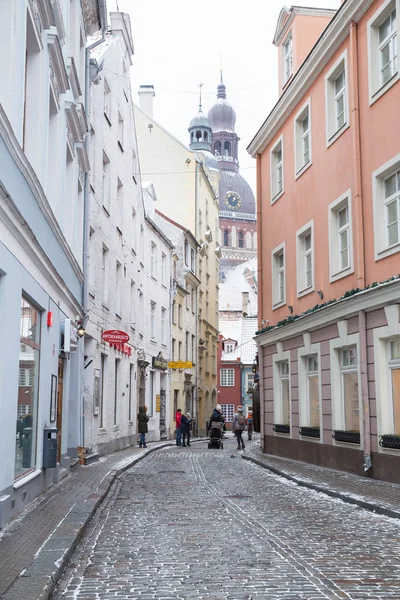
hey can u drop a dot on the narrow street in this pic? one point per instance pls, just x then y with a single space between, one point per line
197 523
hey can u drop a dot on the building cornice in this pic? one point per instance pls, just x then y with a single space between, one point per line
191 278
22 163
331 39
283 26
366 300
20 230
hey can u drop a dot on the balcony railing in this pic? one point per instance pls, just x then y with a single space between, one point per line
351 437
281 428
390 441
313 432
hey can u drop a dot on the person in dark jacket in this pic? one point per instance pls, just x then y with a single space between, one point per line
186 423
217 415
143 419
238 426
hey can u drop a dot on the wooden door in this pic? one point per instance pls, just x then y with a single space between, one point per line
59 405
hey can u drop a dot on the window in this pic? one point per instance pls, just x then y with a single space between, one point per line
313 391
284 396
340 237
163 326
133 304
287 59
180 351
187 346
107 101
349 372
29 358
227 377
277 170
176 397
134 230
386 200
229 347
186 253
140 317
118 289
153 320
241 239
228 411
104 276
153 249
278 277
106 182
193 348
250 382
120 205
337 108
305 259
383 50
163 268
394 365
174 312
116 385
227 148
173 349
180 315
193 298
302 136
192 260
226 237
120 131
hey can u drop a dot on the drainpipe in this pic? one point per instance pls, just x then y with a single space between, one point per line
261 393
259 243
359 237
86 189
196 218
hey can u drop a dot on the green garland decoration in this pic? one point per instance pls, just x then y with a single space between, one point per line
348 294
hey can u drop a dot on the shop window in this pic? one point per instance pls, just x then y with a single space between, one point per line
394 365
25 451
349 371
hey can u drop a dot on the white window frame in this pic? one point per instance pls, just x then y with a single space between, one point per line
120 131
287 56
118 289
106 182
335 270
107 101
301 259
228 411
382 250
163 325
299 136
276 167
227 377
343 342
303 354
153 306
277 360
333 132
153 261
163 268
276 272
376 88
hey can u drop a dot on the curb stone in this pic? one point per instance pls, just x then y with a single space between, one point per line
52 558
371 506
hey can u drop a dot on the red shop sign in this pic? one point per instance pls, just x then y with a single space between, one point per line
115 336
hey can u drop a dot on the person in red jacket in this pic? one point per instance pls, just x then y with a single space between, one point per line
178 434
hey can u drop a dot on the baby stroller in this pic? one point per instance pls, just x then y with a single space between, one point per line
215 434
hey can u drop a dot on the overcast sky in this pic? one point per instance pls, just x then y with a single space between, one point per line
178 45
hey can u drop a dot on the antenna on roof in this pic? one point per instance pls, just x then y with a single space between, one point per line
220 65
200 86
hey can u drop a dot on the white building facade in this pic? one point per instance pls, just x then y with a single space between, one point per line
42 174
129 266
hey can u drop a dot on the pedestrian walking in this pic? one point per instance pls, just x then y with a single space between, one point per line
143 419
178 435
249 427
217 416
238 426
186 422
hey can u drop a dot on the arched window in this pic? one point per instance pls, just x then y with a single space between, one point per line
240 239
227 148
226 237
205 136
217 147
192 136
198 135
186 253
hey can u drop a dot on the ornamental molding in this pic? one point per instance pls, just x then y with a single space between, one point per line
45 12
82 118
58 20
73 77
22 163
20 230
367 300
37 21
83 157
73 122
331 39
57 63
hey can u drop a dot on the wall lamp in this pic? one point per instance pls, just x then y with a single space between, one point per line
290 309
320 294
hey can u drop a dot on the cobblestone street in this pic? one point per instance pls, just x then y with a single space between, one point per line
197 523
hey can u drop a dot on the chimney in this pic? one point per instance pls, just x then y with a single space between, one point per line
245 304
146 95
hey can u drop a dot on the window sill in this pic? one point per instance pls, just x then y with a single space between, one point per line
341 274
332 139
105 307
306 291
388 251
120 146
102 431
107 119
303 169
383 89
278 305
277 196
27 478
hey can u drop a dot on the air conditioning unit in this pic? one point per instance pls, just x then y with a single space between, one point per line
68 337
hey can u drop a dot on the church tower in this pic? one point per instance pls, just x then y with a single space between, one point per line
237 207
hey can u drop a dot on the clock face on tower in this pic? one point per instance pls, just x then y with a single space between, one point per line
233 200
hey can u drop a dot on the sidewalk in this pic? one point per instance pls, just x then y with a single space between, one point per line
37 544
379 496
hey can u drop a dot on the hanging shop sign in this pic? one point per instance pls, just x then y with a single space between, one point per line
180 364
158 403
115 336
159 362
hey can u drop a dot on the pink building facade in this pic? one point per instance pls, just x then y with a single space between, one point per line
328 212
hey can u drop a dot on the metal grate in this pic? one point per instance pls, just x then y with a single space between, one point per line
351 437
390 441
281 428
313 432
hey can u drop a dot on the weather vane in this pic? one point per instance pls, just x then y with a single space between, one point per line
220 64
200 86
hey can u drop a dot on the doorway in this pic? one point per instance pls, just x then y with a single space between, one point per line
59 405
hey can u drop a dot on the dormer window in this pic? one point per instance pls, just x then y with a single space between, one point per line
229 346
287 59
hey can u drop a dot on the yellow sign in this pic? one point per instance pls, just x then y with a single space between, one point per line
180 364
158 403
